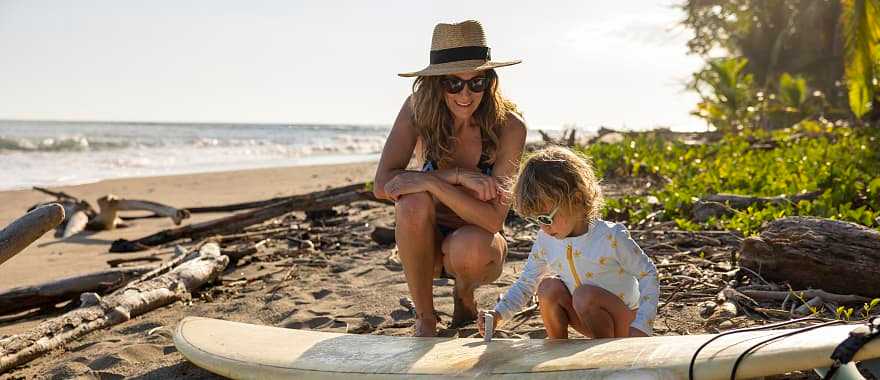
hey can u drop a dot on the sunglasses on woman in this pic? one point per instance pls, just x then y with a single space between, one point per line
543 220
454 85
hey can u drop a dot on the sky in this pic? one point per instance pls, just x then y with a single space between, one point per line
619 64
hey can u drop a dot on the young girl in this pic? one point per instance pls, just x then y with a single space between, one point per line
589 274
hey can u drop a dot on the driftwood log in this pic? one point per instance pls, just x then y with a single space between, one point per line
123 305
237 222
50 293
22 232
839 257
110 206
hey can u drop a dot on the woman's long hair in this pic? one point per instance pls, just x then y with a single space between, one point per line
433 120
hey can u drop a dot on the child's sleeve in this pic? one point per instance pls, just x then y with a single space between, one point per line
525 286
636 262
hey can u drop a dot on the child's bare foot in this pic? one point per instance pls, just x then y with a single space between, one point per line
426 325
464 309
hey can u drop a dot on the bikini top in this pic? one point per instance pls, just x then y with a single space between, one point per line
484 166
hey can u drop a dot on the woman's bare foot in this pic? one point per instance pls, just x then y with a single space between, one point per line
426 326
464 309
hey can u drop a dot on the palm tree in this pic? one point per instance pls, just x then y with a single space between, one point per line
860 22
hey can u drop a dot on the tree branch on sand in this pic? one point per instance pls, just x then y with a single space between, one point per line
119 307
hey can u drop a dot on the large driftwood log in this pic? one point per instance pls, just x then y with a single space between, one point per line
120 307
238 222
22 232
839 257
50 293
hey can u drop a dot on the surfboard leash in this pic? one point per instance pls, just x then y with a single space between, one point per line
765 341
756 328
846 350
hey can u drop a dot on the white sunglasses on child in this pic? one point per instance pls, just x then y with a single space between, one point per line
545 220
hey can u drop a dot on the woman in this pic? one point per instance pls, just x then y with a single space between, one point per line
469 138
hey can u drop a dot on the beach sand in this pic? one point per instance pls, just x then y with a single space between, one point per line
355 288
48 258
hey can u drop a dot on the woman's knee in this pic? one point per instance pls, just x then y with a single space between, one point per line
552 290
414 210
473 249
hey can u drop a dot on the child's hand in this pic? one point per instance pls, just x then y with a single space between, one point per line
481 321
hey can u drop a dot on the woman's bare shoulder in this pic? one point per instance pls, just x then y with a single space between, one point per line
514 125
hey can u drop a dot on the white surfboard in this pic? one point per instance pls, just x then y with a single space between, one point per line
247 351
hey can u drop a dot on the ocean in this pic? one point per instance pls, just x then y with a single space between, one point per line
51 153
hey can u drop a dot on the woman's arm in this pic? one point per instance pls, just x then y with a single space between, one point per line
397 151
488 215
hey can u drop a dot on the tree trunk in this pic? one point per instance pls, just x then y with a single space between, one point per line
839 257
117 308
50 293
22 232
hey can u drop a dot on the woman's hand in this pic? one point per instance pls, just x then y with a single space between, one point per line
484 187
407 183
481 320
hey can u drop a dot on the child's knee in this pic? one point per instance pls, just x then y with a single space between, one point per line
552 290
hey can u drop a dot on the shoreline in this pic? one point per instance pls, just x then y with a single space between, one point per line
49 258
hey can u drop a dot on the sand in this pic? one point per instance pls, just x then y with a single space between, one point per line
355 288
48 258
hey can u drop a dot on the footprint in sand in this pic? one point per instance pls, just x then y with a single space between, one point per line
133 354
321 293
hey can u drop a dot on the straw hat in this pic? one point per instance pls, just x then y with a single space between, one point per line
458 47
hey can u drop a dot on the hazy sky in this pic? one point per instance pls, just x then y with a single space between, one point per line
588 63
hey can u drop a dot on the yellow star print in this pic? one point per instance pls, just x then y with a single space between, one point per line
578 254
603 260
614 243
588 275
620 295
620 271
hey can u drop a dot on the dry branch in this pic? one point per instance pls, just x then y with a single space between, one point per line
130 302
238 222
840 299
50 293
742 202
22 232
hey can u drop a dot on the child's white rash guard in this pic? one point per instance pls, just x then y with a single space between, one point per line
605 256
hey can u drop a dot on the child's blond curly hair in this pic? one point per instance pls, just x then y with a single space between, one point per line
557 176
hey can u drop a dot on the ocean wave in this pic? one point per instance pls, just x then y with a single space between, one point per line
66 144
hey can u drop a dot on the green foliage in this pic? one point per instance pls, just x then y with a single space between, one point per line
834 45
860 21
792 90
866 308
794 36
727 93
814 155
